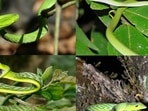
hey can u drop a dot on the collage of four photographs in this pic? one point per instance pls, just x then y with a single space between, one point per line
73 55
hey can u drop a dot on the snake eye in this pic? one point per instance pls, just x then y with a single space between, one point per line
136 106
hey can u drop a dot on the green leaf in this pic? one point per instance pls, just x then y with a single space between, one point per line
82 49
68 80
138 16
81 38
58 75
46 94
100 41
47 73
88 1
59 103
56 91
8 19
98 6
70 91
105 19
132 38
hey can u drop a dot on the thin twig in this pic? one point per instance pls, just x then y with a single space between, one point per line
57 27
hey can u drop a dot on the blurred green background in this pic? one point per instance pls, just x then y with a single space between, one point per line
30 63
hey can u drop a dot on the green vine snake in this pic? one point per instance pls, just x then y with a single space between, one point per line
25 77
117 107
40 31
109 32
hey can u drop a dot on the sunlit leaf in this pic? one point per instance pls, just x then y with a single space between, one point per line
82 38
8 19
138 16
132 38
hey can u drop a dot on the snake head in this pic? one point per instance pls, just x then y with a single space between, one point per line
134 106
3 69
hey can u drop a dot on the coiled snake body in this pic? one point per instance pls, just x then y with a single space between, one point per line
25 77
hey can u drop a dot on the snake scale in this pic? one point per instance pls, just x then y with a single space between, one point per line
24 77
117 107
17 108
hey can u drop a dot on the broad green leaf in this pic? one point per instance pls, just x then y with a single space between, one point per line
82 49
70 91
133 39
8 19
59 75
46 94
98 6
56 91
105 19
81 37
68 80
88 1
138 17
100 41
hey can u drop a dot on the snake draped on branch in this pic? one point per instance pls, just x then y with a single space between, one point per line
24 77
122 6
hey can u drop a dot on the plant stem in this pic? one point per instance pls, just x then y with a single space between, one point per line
57 27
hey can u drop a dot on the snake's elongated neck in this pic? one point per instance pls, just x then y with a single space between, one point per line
111 37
